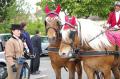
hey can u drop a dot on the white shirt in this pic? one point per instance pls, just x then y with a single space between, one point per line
117 15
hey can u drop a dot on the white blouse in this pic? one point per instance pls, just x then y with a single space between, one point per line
117 15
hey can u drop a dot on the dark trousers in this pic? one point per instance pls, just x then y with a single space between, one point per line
35 63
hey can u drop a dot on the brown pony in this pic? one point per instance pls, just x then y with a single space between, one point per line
52 24
77 34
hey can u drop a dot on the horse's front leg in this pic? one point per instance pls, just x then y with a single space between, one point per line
89 71
116 72
57 70
107 72
115 68
71 69
79 69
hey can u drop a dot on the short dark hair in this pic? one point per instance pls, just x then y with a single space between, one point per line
15 26
22 24
37 32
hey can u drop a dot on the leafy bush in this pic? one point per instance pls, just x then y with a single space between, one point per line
37 25
31 27
4 27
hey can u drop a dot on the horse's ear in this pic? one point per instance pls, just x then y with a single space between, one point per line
58 9
66 18
73 21
47 10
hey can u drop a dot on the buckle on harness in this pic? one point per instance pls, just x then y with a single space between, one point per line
117 53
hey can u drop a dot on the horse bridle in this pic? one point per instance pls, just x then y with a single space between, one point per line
71 36
72 44
50 27
52 13
57 31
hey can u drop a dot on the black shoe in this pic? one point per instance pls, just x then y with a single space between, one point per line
36 73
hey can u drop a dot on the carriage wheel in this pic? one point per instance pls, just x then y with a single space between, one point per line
25 72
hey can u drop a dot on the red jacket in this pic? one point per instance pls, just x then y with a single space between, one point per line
112 20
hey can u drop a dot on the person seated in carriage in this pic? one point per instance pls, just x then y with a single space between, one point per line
114 17
113 25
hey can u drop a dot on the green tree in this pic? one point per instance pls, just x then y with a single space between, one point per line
5 9
11 11
37 25
82 8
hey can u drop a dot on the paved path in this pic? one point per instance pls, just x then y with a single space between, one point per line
48 73
44 74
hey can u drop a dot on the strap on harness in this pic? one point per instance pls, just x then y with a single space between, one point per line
97 53
53 49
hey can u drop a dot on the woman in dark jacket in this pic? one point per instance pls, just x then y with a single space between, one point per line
25 37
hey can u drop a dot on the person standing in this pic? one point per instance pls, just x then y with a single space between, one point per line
25 37
14 50
36 43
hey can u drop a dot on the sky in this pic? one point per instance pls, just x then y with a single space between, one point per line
32 5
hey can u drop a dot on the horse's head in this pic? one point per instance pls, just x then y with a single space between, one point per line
68 32
52 24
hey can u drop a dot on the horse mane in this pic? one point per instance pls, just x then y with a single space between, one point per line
88 30
62 17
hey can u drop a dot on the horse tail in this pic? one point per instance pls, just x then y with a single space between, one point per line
65 68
